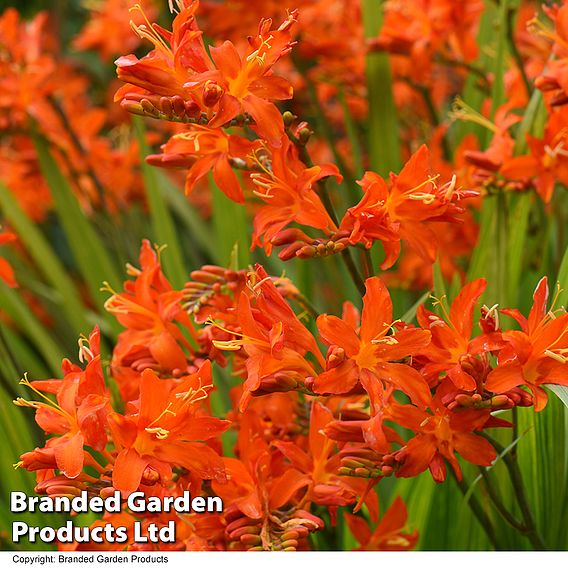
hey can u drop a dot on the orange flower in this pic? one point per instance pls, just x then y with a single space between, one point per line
320 464
203 149
150 310
389 533
21 174
536 355
440 434
548 159
264 513
403 211
555 79
367 356
165 430
451 339
273 339
179 81
177 55
250 481
28 72
248 86
79 415
286 188
430 32
107 30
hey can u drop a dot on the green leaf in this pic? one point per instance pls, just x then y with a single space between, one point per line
89 252
543 458
40 250
384 143
18 310
471 488
25 358
200 231
500 60
162 223
518 229
17 438
532 123
410 314
231 227
353 136
472 94
560 391
563 281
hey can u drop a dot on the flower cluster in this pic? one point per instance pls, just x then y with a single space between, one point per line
316 420
231 382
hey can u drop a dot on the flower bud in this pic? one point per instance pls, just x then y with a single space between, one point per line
212 92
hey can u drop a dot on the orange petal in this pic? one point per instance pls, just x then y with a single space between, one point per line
419 452
461 379
504 378
320 417
335 331
377 309
415 171
267 118
128 470
359 528
7 273
395 517
69 455
227 181
461 312
408 380
285 487
153 396
474 449
339 380
538 310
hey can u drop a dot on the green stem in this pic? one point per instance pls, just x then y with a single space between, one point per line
352 135
10 367
79 147
511 13
500 258
324 195
433 114
498 503
307 306
481 75
479 513
367 262
530 530
354 273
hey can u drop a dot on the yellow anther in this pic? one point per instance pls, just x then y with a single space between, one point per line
389 340
451 188
557 355
231 345
147 31
427 198
85 353
493 312
398 541
161 433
